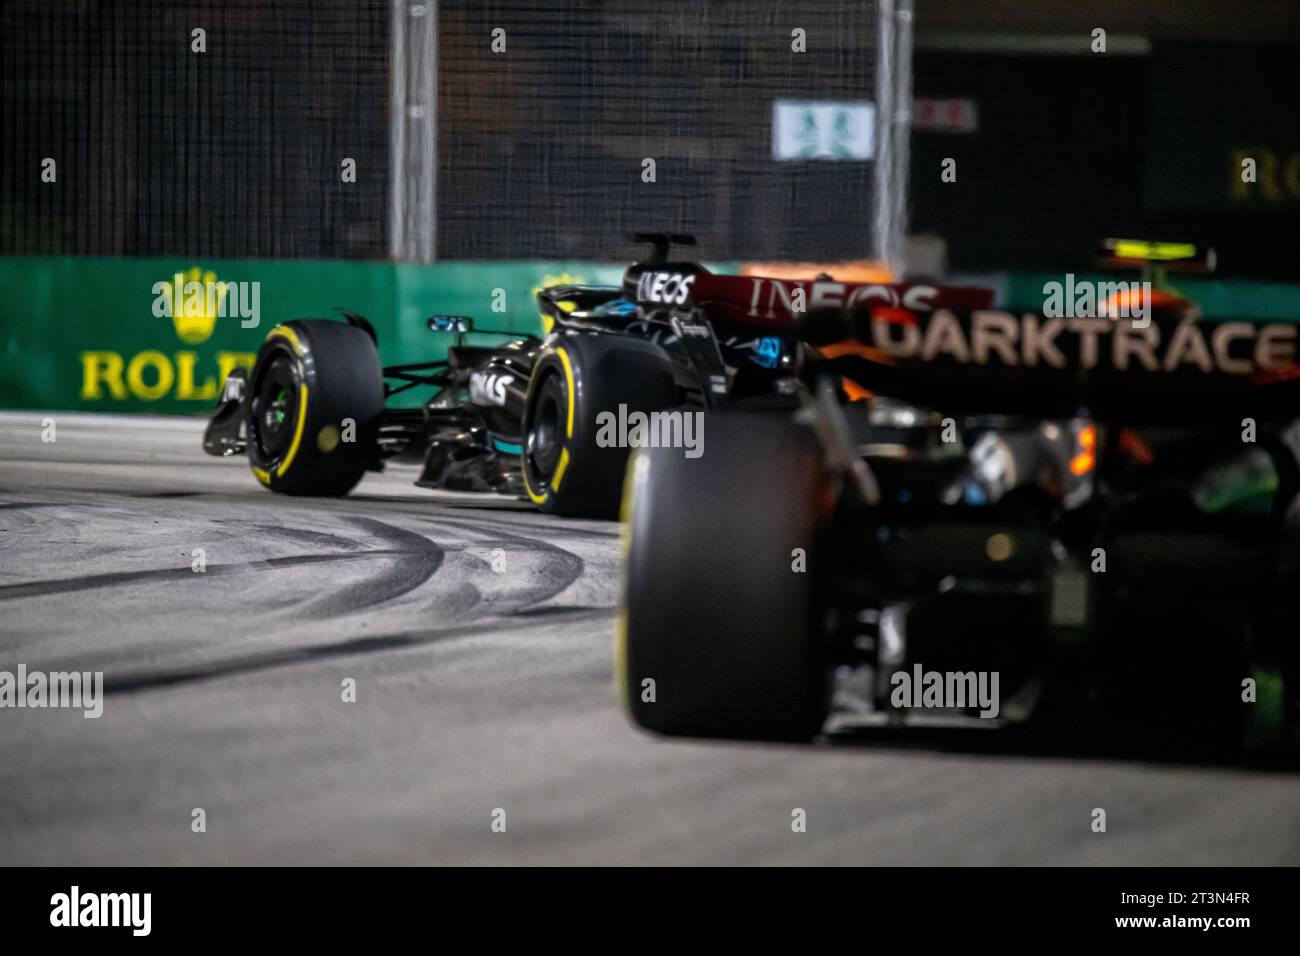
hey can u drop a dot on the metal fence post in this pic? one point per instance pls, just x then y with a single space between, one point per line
902 132
893 124
413 136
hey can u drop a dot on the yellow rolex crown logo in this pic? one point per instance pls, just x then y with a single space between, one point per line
194 299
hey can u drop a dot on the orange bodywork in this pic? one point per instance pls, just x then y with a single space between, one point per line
862 270
852 389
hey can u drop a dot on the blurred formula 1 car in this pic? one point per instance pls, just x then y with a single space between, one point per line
520 416
1100 518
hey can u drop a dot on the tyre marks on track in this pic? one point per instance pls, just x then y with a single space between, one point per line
127 682
353 569
91 582
534 570
414 559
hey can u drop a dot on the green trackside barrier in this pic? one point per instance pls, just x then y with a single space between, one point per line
83 333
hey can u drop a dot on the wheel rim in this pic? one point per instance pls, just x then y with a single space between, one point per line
275 406
545 434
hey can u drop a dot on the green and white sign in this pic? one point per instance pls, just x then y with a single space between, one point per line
823 129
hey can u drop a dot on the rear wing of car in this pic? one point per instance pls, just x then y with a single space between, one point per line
1167 369
767 306
771 305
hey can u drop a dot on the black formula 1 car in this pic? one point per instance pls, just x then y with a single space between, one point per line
1092 519
551 418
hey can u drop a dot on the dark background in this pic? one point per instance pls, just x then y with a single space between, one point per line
1139 141
236 153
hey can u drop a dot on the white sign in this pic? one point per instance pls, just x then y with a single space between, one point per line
823 129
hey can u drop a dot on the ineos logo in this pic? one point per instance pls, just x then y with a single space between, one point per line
770 297
665 288
918 297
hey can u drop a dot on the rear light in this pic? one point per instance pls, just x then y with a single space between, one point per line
1085 458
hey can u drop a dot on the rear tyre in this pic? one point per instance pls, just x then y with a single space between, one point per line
315 399
566 472
719 635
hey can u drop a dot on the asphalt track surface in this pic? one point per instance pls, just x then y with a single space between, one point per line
477 689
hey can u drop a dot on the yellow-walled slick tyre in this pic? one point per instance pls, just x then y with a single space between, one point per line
315 398
719 632
566 472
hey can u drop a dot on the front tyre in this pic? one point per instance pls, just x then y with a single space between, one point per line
316 394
